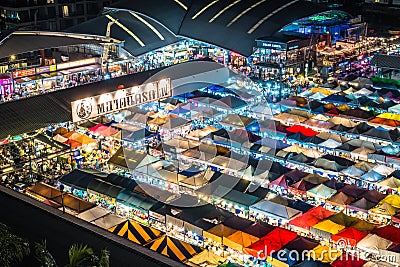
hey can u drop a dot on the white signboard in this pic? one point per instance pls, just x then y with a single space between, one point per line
95 106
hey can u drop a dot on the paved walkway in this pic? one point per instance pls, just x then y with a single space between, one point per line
37 221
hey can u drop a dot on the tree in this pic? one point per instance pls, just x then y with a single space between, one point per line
12 247
83 256
43 255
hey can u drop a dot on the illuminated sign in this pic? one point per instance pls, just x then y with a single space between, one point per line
95 106
45 69
272 45
78 63
24 73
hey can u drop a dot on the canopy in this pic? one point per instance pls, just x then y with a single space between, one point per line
352 190
218 232
388 232
60 138
315 179
330 144
97 127
352 171
326 226
286 117
173 248
174 123
135 232
272 242
340 199
384 209
311 217
322 191
258 229
301 129
383 169
350 235
109 131
108 221
373 196
362 205
390 182
301 244
364 226
373 243
348 261
343 121
207 257
93 214
84 140
325 254
393 200
239 240
229 102
343 219
372 176
273 209
237 120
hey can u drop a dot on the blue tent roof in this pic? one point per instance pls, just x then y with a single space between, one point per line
335 98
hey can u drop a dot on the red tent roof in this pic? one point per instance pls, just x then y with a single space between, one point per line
320 212
350 235
389 232
98 127
311 217
270 243
348 261
73 144
301 129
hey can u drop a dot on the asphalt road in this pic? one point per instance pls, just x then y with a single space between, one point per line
36 224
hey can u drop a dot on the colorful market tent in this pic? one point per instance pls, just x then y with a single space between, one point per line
352 171
259 229
364 226
218 232
393 200
173 248
303 130
350 235
207 258
274 210
273 241
383 169
239 240
135 232
311 217
391 182
109 131
384 209
93 213
326 228
324 254
315 179
97 127
108 221
373 196
340 199
343 121
353 190
321 191
348 261
361 205
301 244
343 219
60 138
286 117
84 140
372 176
388 232
373 243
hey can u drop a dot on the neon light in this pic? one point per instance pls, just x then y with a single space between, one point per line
204 9
148 25
122 26
270 15
181 4
223 10
244 12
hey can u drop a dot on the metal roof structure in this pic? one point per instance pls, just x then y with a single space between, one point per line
386 61
231 24
20 42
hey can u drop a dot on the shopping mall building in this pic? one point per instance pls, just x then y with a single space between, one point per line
274 39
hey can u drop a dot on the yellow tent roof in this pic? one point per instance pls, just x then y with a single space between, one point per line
84 139
218 232
321 90
324 254
239 240
329 226
393 200
384 209
390 116
207 256
391 182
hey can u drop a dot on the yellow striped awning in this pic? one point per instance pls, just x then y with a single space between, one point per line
135 232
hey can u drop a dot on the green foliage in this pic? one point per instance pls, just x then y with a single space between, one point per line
12 247
43 255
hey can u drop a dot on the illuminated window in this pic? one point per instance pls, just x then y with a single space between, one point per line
65 11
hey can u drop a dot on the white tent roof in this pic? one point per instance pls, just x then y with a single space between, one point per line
330 144
108 221
317 96
373 243
383 169
93 214
278 210
395 109
353 171
363 92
